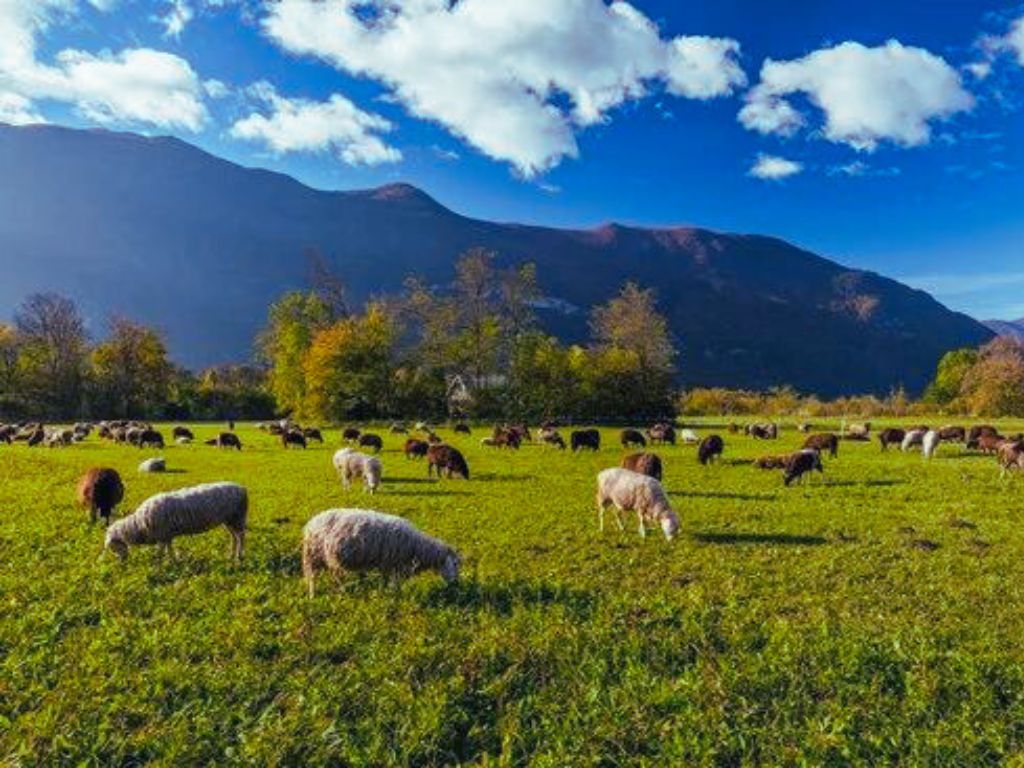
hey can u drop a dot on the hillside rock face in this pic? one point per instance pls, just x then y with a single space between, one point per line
161 231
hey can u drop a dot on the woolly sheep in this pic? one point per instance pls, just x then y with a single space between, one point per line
351 464
930 443
157 464
100 490
361 540
912 438
689 437
162 518
630 491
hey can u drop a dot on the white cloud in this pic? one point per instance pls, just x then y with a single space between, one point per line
17 110
772 168
136 85
1014 40
299 125
868 95
515 79
860 169
177 16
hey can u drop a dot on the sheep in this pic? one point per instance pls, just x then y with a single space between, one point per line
689 437
360 540
371 441
447 460
763 431
156 464
415 449
162 518
397 428
504 438
710 448
350 434
989 444
805 427
585 439
975 434
662 433
645 463
859 430
630 491
434 439
771 462
226 440
179 432
462 429
913 438
521 431
951 434
631 438
423 426
891 436
351 464
930 443
826 441
311 434
148 438
800 463
100 490
293 437
551 437
1011 457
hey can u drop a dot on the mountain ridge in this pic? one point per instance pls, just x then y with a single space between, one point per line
199 246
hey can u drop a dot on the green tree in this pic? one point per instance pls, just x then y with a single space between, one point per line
292 323
131 371
53 353
949 377
349 368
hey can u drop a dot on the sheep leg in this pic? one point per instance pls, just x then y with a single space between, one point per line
643 528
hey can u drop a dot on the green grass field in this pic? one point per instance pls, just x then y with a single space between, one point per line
873 617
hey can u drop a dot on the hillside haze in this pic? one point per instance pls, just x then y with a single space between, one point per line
159 230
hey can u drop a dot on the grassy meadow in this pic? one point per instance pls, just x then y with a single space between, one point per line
872 617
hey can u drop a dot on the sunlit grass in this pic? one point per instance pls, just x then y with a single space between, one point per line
874 616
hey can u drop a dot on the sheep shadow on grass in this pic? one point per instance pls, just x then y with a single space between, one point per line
785 539
430 492
730 496
494 477
502 598
863 483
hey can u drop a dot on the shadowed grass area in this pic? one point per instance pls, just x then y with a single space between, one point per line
873 616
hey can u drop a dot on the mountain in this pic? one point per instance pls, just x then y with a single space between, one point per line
161 231
1013 328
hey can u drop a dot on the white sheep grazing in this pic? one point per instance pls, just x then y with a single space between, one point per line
183 440
630 491
162 518
689 437
352 464
930 443
913 437
158 464
360 540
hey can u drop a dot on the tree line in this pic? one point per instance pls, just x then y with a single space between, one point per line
473 348
50 369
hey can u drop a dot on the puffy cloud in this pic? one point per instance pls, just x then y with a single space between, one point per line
17 110
137 85
1014 40
177 16
772 168
868 95
299 125
515 79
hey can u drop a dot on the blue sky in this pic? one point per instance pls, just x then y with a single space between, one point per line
886 135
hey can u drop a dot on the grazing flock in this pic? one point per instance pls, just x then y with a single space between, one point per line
357 540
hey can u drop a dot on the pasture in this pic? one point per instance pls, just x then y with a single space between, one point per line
874 616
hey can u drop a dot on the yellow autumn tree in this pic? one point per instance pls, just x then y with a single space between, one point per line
348 368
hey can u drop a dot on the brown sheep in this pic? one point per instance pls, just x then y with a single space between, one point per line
976 433
826 441
800 464
100 490
415 449
951 434
710 448
447 461
645 463
771 462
